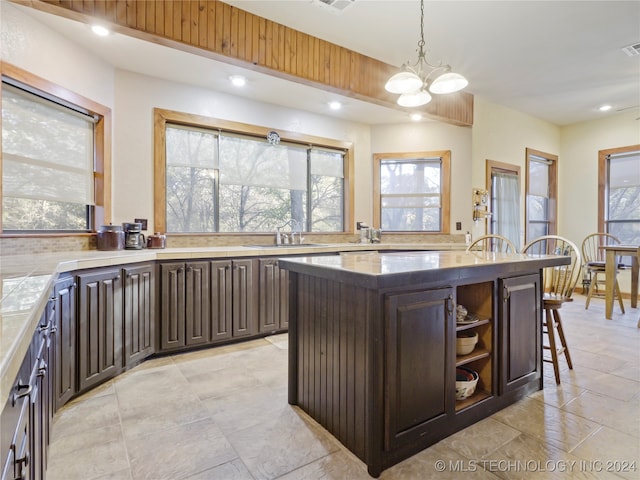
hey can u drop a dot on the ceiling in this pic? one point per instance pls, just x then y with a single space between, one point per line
555 60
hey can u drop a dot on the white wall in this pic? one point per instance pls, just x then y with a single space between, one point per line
32 46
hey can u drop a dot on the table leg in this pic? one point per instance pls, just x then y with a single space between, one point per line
610 280
634 281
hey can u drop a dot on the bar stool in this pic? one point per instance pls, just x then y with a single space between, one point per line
558 285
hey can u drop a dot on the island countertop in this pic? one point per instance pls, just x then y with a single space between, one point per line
387 269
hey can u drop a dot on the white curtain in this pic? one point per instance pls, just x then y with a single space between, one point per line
506 206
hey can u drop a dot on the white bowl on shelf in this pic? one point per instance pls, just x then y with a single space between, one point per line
466 381
466 342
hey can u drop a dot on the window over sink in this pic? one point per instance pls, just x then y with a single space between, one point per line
220 177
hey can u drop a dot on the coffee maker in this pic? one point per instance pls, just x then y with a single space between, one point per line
133 236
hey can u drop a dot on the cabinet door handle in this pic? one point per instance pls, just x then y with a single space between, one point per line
505 293
116 278
27 391
450 306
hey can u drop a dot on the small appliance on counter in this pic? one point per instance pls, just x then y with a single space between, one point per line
157 240
134 238
110 237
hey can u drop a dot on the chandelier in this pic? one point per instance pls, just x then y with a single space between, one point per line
415 81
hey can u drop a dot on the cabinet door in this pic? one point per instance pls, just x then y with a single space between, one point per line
64 341
38 415
139 313
14 419
221 300
172 305
244 299
100 326
198 303
521 331
274 298
419 365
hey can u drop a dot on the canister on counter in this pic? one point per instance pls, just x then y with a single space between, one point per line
110 237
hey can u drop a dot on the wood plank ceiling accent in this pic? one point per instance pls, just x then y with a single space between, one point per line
219 31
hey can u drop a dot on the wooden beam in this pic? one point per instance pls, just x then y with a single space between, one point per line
216 30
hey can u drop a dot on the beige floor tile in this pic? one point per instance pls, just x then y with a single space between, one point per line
547 423
86 415
480 439
92 462
438 461
610 451
285 443
179 452
557 395
338 465
527 457
233 470
608 411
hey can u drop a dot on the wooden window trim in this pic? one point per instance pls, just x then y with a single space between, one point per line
491 167
445 155
603 179
102 148
160 119
553 192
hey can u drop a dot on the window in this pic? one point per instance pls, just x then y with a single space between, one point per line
541 201
412 192
50 163
226 181
619 197
504 185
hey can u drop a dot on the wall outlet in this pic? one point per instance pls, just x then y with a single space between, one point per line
143 221
458 225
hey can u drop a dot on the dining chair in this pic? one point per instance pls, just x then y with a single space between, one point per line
492 243
558 285
593 263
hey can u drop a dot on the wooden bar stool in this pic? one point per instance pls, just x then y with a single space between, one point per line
558 286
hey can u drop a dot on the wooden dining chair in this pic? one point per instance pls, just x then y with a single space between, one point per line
492 243
593 263
558 285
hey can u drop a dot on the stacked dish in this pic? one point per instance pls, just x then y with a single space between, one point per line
466 381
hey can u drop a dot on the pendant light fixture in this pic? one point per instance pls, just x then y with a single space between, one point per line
415 81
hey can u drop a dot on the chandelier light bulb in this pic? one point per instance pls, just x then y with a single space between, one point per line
403 82
448 83
414 99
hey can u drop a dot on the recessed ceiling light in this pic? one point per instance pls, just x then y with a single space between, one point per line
335 105
605 108
238 80
416 117
100 30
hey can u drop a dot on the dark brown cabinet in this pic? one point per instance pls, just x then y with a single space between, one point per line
221 300
100 326
274 296
245 298
185 307
139 313
418 370
64 340
521 331
15 437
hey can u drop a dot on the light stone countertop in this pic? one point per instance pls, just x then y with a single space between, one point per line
27 281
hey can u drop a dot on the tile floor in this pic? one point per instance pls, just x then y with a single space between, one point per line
222 414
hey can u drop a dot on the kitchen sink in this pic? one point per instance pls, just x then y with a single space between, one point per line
288 245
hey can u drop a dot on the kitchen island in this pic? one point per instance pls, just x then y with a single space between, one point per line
372 343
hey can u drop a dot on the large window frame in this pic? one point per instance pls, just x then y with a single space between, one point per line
604 182
164 118
551 214
445 186
101 213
